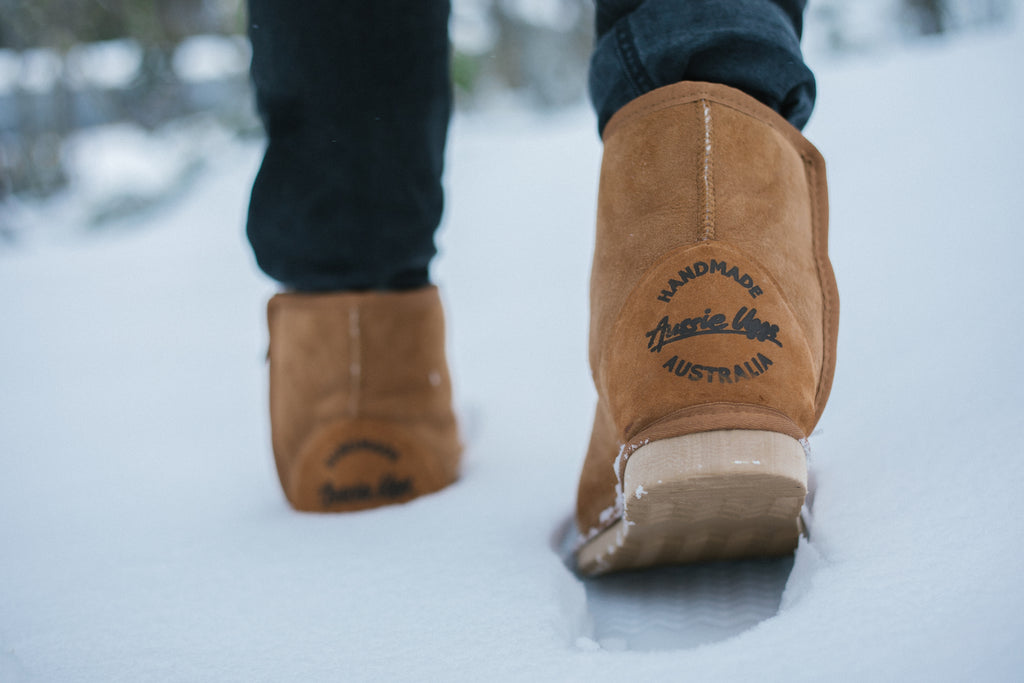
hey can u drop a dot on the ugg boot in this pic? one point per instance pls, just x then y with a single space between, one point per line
714 314
360 399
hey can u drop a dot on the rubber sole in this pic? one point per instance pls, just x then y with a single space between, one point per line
703 497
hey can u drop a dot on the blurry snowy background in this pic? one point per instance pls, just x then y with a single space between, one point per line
143 533
92 92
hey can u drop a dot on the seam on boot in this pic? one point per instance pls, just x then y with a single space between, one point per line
355 369
733 416
708 210
828 303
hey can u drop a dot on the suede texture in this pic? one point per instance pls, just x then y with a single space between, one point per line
360 398
713 303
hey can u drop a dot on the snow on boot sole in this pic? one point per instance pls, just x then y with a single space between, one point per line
708 496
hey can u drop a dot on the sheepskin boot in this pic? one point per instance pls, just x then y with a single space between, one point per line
360 399
714 315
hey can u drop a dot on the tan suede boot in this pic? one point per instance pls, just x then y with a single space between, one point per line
714 314
360 399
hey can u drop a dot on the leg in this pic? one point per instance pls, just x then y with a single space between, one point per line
713 305
355 98
750 45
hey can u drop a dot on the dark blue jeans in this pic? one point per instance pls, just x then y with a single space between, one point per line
355 98
751 45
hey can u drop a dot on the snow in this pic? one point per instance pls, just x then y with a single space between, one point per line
210 57
40 70
470 29
105 64
556 15
143 535
10 69
122 156
117 169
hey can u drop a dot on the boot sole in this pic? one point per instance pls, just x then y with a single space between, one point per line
721 495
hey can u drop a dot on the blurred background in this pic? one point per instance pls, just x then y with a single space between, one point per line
118 103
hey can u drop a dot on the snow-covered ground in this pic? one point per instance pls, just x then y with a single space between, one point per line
143 535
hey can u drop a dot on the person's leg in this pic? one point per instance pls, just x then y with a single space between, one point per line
713 306
750 45
355 98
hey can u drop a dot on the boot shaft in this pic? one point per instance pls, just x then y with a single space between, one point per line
360 398
711 271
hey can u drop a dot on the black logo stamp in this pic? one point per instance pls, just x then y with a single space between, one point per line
701 268
745 322
387 488
755 367
381 449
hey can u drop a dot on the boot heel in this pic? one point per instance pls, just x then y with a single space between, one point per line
708 496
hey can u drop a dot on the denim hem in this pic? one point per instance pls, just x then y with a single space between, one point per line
629 59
